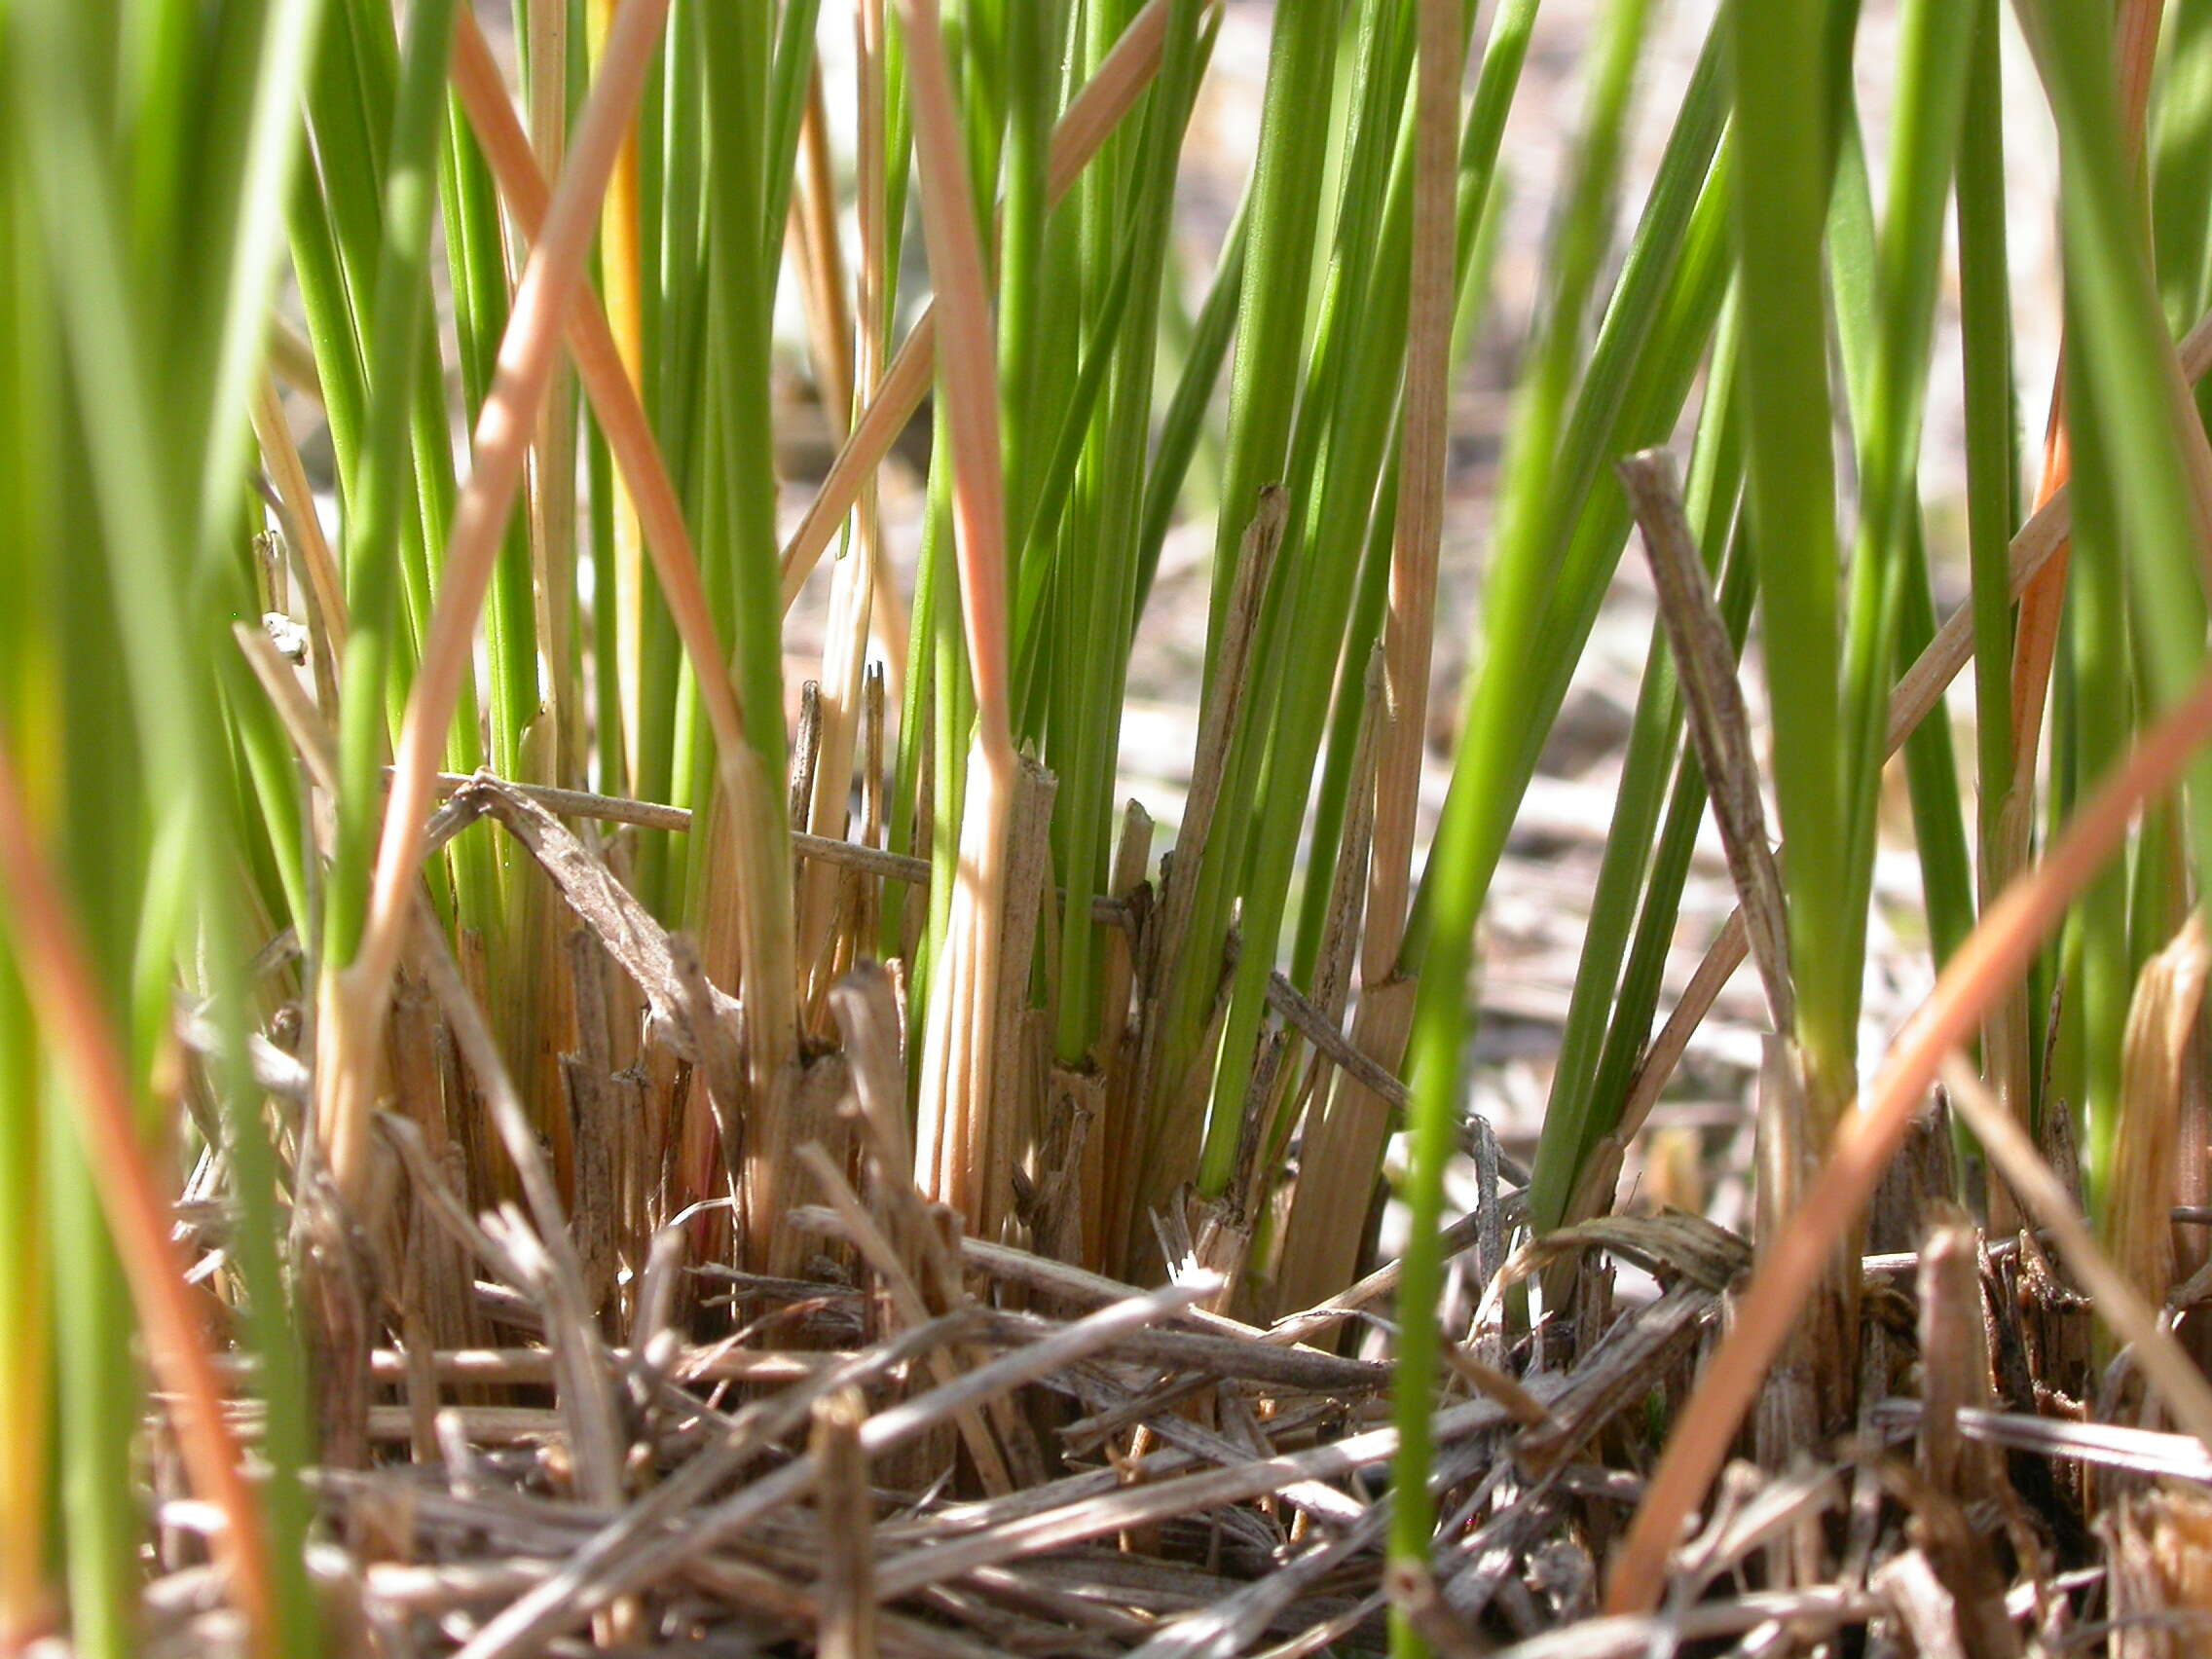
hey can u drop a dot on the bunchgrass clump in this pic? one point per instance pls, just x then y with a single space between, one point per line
534 1112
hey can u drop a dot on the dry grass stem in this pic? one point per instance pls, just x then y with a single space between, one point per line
2166 1365
847 1508
1409 627
1718 727
2156 1082
1954 1358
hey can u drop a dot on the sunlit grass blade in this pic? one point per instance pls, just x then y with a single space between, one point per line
397 333
1125 204
1272 307
2181 165
746 924
1339 447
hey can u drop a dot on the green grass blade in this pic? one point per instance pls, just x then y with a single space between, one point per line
398 325
2133 486
1887 315
2181 165
1641 874
1640 368
1781 72
1277 272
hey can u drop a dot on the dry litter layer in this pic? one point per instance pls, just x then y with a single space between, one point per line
936 1445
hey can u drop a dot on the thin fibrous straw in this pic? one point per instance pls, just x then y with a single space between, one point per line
2165 1364
1954 1355
1387 1019
555 276
1408 634
1107 910
903 1291
1217 720
293 359
1987 964
623 1556
1177 905
1108 95
1918 692
582 1386
60 981
652 815
2034 642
